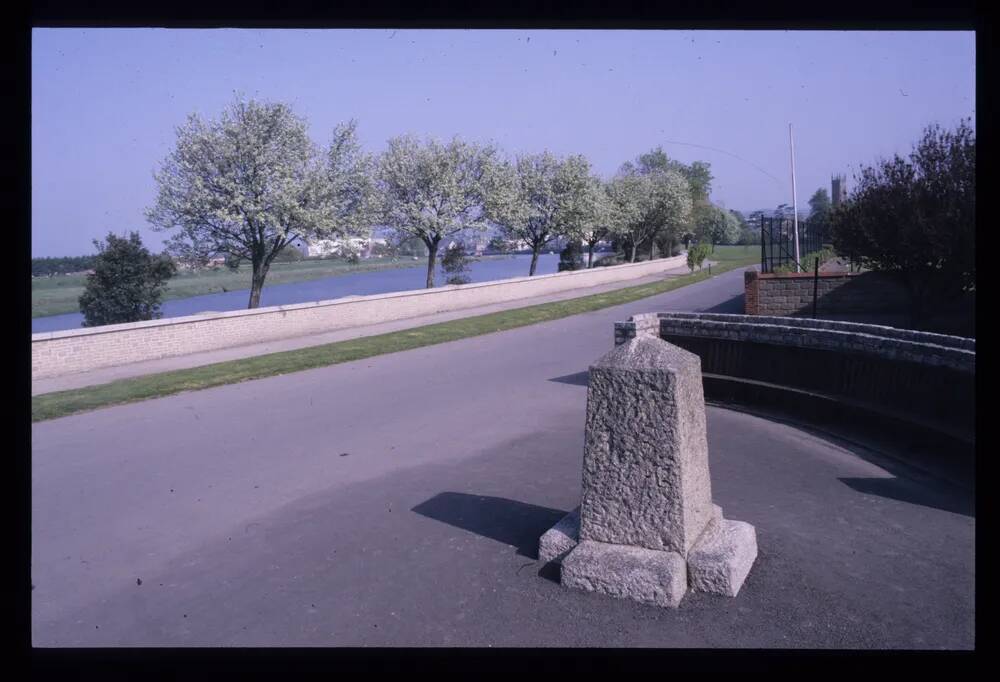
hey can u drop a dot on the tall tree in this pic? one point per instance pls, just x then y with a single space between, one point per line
916 217
643 205
126 284
716 225
594 222
819 213
431 190
248 184
698 174
541 197
350 171
699 180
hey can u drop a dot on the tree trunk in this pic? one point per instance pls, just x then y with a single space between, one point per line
432 249
590 255
535 248
634 246
257 283
652 245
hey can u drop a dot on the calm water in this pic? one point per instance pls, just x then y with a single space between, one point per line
359 284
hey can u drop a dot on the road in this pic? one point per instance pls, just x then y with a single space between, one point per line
398 500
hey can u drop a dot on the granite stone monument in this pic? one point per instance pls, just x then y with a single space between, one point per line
646 528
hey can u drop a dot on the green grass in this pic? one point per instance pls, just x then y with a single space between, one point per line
60 294
808 260
63 403
746 252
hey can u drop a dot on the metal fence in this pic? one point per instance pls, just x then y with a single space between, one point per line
777 242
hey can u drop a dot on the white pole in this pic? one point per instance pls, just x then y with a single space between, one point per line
795 207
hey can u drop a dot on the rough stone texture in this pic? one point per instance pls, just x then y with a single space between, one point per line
904 376
645 471
647 324
647 501
721 560
560 539
918 347
646 575
714 521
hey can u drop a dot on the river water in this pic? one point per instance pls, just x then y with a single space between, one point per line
358 284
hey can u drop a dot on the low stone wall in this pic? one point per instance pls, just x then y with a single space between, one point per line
836 293
78 350
926 380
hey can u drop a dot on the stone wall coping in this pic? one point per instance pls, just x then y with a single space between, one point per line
203 317
887 342
960 342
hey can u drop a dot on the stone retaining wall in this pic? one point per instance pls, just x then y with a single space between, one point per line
928 379
78 350
836 293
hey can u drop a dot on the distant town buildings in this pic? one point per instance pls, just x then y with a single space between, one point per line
339 247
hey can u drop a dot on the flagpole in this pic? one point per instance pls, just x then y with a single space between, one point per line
795 208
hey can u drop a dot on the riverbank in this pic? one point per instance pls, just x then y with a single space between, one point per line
66 402
60 294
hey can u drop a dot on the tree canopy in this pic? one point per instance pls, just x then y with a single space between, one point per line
915 216
251 182
644 204
540 197
126 284
819 213
716 225
431 190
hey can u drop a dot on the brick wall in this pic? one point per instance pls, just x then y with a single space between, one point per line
79 350
836 293
751 287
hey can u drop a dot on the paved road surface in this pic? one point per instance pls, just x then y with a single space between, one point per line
398 501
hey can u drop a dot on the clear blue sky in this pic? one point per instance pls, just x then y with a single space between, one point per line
105 102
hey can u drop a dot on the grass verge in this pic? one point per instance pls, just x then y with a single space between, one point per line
64 403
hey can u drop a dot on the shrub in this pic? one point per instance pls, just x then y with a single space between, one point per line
697 255
126 284
571 257
915 217
456 263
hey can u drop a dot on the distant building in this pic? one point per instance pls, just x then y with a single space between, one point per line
339 247
838 190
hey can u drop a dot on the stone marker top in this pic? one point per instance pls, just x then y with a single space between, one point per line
648 353
646 526
645 469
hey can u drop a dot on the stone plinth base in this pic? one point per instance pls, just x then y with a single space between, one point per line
560 539
718 563
721 560
650 576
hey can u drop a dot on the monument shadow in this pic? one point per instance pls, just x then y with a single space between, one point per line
514 523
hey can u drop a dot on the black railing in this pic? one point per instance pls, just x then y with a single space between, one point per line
777 242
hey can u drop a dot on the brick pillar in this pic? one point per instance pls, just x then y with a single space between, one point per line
751 284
